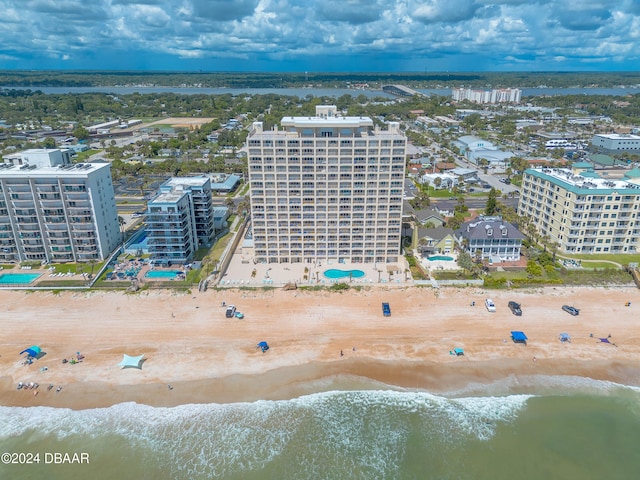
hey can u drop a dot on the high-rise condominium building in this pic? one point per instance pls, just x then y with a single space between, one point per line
326 188
53 211
180 219
582 213
503 95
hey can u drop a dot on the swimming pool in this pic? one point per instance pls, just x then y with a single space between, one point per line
441 257
335 273
18 278
163 274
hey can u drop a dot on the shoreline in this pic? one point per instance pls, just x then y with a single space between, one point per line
488 378
207 358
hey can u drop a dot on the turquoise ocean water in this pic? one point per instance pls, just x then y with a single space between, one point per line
569 429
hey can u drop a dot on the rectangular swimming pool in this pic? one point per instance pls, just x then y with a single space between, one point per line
164 274
18 278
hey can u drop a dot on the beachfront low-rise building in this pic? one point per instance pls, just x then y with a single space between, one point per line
180 220
433 240
490 238
581 212
326 188
55 211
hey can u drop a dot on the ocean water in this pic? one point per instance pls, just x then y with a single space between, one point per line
573 429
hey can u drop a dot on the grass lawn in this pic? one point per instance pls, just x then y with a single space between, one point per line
596 265
452 275
621 258
82 156
601 276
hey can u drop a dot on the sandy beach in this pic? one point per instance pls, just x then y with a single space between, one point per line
189 344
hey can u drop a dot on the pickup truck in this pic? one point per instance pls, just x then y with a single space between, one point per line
386 309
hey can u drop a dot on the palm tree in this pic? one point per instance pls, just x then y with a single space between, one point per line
121 223
230 205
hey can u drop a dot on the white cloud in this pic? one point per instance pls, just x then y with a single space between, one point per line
401 32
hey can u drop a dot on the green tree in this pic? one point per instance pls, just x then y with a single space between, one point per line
492 203
465 261
534 269
80 133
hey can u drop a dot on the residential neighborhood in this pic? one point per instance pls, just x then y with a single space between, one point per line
330 187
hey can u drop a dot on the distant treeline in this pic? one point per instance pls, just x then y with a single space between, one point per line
325 79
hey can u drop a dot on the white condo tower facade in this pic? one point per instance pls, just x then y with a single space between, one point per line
326 188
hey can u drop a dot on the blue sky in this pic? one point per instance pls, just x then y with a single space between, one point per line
321 35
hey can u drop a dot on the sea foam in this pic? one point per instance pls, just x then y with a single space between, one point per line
366 430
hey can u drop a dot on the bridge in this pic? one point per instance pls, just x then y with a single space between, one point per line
400 90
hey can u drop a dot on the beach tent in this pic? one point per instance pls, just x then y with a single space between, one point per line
263 346
607 340
131 362
519 337
458 351
32 351
564 337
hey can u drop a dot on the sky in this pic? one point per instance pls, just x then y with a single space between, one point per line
321 35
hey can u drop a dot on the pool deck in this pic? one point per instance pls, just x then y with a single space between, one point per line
240 273
432 265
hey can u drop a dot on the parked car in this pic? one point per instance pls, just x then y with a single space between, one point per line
386 309
572 310
490 305
515 308
231 311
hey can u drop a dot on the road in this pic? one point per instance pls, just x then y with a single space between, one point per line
470 202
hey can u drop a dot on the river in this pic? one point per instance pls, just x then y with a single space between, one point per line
315 92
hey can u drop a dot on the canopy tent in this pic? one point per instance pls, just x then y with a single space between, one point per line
519 337
607 340
263 346
131 362
32 351
458 351
564 337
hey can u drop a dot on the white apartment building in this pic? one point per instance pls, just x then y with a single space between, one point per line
326 188
616 142
57 214
582 213
180 220
503 95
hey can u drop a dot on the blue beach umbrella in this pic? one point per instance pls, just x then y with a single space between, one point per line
32 351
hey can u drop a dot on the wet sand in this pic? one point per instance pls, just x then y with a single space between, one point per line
189 344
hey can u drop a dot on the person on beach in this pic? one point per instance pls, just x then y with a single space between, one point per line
341 353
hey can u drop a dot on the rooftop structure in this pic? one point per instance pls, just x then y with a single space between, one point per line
40 157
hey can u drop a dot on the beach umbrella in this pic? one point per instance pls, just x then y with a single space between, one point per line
32 351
